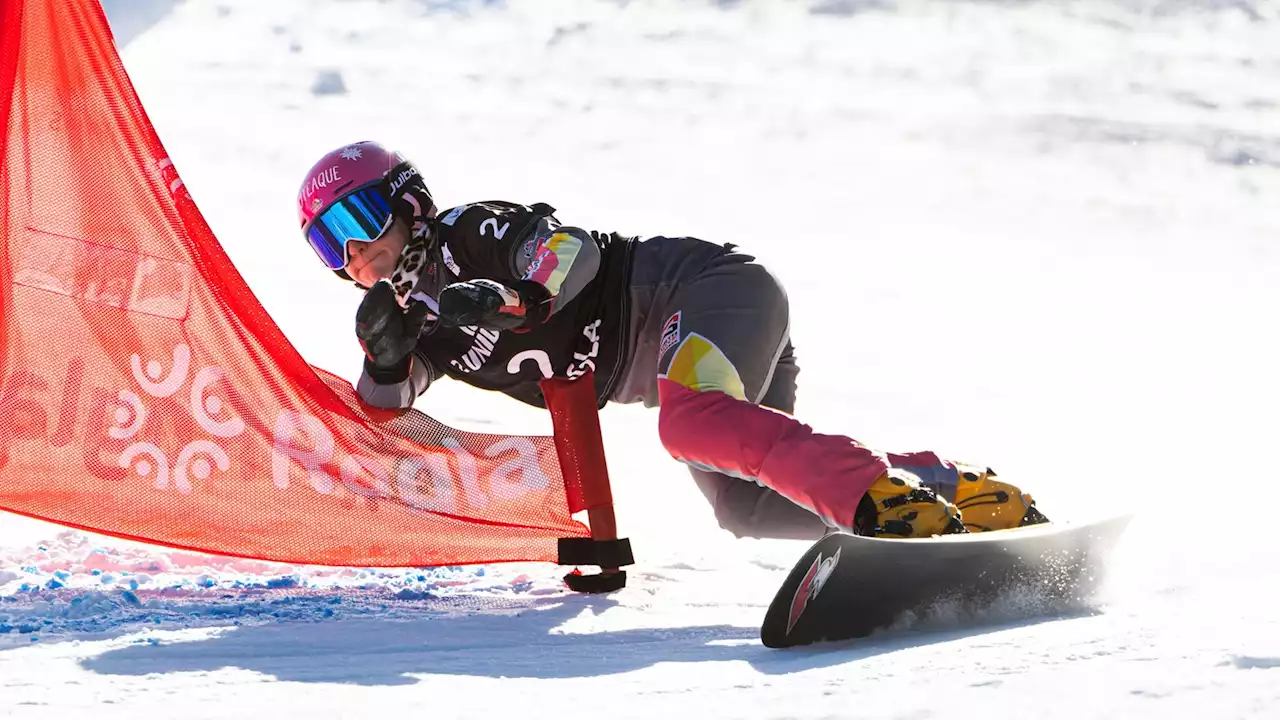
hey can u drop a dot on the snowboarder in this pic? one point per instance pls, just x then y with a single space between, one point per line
500 295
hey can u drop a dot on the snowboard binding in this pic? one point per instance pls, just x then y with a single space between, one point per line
987 503
898 505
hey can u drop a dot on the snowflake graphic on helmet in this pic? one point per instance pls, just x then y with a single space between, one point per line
351 153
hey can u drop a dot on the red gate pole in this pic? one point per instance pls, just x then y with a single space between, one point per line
575 417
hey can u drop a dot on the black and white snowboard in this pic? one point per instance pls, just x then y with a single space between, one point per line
847 586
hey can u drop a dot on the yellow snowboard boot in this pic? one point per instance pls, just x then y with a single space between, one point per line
988 503
897 505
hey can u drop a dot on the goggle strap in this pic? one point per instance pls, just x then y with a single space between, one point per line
404 179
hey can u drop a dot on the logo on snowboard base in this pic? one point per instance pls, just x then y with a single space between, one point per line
819 572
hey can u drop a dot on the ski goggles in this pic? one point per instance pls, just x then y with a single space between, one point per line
362 215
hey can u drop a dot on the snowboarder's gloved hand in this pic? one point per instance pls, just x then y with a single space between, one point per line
388 333
491 304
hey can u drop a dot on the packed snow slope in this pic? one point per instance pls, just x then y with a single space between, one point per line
1042 236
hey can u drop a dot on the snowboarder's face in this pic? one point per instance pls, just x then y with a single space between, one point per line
369 262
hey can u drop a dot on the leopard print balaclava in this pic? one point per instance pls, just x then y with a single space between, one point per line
412 260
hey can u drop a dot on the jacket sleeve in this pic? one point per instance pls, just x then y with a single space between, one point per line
562 259
392 393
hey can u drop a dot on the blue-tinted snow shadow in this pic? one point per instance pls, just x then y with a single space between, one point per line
130 18
521 643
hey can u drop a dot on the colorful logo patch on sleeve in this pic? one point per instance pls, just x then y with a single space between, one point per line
551 264
699 365
670 334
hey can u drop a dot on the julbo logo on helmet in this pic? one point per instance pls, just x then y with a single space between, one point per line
402 178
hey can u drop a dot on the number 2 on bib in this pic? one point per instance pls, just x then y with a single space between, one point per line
492 224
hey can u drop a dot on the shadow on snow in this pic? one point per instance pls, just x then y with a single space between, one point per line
525 643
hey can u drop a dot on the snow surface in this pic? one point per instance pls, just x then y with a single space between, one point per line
1038 235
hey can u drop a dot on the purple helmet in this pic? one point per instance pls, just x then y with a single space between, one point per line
347 196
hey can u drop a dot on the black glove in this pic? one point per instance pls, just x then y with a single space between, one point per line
388 333
491 304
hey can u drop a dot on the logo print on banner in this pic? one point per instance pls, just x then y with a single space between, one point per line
169 176
195 457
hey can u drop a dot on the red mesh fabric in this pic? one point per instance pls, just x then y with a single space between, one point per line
144 391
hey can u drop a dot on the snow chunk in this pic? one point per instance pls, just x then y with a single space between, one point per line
329 82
